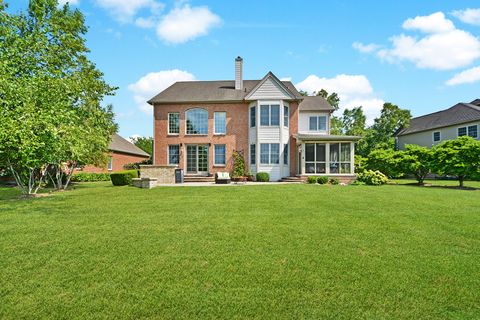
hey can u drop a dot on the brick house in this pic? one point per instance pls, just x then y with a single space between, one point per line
199 124
122 152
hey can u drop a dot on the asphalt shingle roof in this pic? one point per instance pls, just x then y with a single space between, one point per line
120 144
315 103
210 91
459 113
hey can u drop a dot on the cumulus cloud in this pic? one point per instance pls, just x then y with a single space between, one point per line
467 76
353 90
434 23
185 23
153 83
125 10
469 16
442 47
365 48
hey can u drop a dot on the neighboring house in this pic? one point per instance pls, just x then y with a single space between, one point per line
463 119
199 124
122 152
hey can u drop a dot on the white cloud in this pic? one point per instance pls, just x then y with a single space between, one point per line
286 79
434 23
145 22
186 23
125 10
467 76
71 2
353 91
153 83
470 16
443 48
365 48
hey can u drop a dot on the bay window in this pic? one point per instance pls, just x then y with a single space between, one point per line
270 115
269 153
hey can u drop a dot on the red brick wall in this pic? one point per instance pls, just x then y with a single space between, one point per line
293 142
118 161
236 137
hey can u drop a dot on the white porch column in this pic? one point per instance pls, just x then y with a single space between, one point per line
352 157
327 158
302 158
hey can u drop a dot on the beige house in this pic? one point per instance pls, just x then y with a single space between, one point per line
463 119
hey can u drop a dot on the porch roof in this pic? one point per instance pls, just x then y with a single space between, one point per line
324 137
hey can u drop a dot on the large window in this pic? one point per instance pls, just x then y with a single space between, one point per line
197 121
253 153
174 154
269 153
253 116
285 154
318 123
270 115
220 121
220 155
286 116
174 123
315 160
471 131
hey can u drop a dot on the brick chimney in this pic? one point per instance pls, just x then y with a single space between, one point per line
238 73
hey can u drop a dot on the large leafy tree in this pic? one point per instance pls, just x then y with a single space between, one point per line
382 133
50 95
417 161
353 121
459 157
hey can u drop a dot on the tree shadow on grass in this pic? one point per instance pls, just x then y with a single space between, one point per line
429 185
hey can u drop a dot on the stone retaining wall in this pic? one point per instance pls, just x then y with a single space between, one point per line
163 174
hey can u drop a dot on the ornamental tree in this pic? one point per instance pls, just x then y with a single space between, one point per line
417 161
459 157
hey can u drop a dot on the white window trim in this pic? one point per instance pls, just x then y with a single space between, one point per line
215 155
110 164
440 134
318 122
269 105
250 116
466 131
168 124
270 163
214 121
168 155
186 129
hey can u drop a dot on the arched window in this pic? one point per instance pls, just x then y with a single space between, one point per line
197 121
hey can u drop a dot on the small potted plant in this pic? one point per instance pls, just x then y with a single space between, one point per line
250 176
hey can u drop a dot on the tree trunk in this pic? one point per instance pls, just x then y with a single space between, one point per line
460 181
70 170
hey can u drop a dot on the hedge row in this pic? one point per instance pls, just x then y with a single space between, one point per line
90 177
124 178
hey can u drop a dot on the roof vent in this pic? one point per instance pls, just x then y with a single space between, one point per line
238 73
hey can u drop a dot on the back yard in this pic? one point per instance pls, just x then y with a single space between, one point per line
274 251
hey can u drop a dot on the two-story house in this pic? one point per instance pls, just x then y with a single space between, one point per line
199 124
463 119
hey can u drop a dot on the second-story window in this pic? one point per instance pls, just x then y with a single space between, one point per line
318 123
436 136
253 116
174 123
270 115
286 116
220 122
197 121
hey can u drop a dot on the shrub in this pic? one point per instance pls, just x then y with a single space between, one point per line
311 180
373 178
90 177
333 181
238 164
263 177
322 180
123 178
387 161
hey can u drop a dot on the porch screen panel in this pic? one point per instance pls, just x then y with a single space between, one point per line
334 157
345 159
320 158
310 158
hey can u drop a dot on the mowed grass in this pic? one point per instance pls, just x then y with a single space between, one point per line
266 252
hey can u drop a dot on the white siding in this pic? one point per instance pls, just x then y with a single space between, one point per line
304 122
272 170
269 90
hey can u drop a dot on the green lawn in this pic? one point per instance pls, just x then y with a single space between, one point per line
267 252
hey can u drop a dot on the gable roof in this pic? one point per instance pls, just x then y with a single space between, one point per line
119 144
459 113
315 103
214 91
276 81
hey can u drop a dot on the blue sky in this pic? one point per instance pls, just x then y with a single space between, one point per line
421 55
